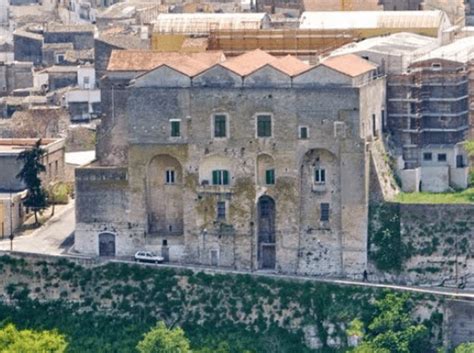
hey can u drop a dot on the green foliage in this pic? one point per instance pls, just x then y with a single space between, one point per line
59 193
454 197
356 328
469 147
30 175
386 248
465 348
15 341
393 329
161 339
116 303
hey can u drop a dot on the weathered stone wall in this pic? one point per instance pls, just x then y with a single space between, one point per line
80 40
28 49
425 243
136 131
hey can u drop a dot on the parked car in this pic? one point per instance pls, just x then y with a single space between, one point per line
148 256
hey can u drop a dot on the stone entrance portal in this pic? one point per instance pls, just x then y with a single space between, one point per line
106 244
266 233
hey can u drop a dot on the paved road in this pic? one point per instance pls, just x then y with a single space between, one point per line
55 237
454 293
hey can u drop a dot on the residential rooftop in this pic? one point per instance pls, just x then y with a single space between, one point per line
403 43
203 23
62 28
461 51
145 60
194 64
331 20
16 145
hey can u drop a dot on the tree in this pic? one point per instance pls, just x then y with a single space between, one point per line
161 339
393 330
465 348
15 341
30 175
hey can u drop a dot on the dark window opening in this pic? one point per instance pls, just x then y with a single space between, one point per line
220 126
220 210
320 176
324 212
175 128
442 157
460 161
427 156
170 177
303 132
264 126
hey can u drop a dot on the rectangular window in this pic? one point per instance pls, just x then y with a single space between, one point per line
303 132
324 212
270 176
320 176
460 161
170 177
220 126
374 125
264 126
384 123
220 210
441 157
427 156
175 128
220 177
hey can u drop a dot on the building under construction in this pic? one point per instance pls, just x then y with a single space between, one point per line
429 118
428 100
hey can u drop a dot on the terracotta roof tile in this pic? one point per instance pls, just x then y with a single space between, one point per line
350 64
145 60
290 65
247 63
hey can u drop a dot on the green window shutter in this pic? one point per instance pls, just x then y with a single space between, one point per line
220 126
264 126
175 129
270 176
225 174
215 177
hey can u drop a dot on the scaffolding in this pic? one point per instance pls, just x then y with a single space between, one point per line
298 42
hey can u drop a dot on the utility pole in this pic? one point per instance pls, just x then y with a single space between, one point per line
11 221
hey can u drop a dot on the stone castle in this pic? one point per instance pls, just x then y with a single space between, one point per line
249 163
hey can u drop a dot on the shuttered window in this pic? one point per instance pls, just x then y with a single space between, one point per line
220 177
270 176
264 126
324 212
220 126
320 176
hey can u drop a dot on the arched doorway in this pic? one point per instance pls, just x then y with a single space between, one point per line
106 244
266 233
165 196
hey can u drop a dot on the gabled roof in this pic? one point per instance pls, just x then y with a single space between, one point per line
290 65
145 60
247 63
349 64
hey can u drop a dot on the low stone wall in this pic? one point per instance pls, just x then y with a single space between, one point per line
422 244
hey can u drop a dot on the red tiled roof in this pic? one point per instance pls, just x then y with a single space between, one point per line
247 63
350 64
145 60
